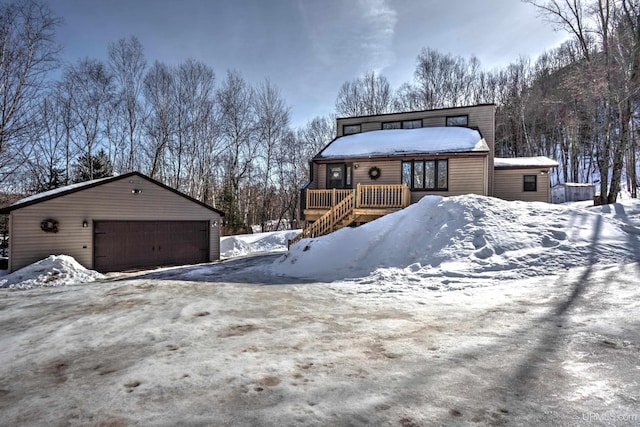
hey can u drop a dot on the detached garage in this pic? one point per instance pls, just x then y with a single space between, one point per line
113 224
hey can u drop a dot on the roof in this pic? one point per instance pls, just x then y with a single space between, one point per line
400 113
427 140
574 184
73 188
524 162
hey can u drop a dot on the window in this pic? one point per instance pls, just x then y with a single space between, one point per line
412 124
350 129
458 120
339 175
405 124
530 183
426 174
392 125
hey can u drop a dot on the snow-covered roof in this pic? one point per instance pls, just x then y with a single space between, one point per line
58 190
574 184
525 162
406 141
68 189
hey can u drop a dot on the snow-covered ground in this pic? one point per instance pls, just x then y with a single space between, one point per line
460 311
55 270
245 244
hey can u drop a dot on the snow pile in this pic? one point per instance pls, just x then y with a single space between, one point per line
55 270
245 244
470 237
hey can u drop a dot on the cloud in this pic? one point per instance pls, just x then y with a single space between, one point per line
352 35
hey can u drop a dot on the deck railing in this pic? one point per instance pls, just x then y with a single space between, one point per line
382 196
329 221
340 205
366 196
325 199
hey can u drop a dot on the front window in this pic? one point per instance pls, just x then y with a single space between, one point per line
426 174
530 183
458 120
351 129
406 174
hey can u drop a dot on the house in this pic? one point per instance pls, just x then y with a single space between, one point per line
381 163
111 224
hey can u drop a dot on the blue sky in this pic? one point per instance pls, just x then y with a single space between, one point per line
308 48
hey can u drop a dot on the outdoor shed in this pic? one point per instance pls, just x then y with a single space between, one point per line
572 192
113 224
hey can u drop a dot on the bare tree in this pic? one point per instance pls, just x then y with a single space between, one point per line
366 95
237 130
91 92
159 89
127 63
272 126
27 53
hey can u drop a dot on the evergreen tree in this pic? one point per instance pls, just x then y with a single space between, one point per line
98 163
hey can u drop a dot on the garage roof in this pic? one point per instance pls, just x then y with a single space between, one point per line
63 191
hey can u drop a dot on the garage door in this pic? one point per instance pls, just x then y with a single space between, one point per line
122 245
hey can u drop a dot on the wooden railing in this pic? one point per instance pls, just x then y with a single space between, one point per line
325 199
327 222
382 196
341 204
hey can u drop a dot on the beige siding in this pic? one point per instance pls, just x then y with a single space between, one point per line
109 201
509 184
367 127
480 116
390 172
466 175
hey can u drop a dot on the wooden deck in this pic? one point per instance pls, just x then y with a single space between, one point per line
330 210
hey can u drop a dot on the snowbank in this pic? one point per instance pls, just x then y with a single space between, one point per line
245 244
469 237
55 270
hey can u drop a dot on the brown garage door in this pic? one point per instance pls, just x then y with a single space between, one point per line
122 245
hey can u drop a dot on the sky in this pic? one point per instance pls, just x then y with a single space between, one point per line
308 48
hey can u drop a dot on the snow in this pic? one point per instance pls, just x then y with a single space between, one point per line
460 311
58 190
538 161
575 184
55 270
246 244
407 141
469 237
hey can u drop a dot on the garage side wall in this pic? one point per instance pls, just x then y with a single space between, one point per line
509 185
133 199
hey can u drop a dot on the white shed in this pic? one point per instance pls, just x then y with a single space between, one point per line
572 192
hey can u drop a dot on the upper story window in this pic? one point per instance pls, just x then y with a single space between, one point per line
404 124
392 125
458 120
351 129
411 124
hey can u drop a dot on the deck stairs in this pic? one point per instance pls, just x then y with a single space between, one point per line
339 216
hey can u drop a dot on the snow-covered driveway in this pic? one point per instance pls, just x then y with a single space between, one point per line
225 345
